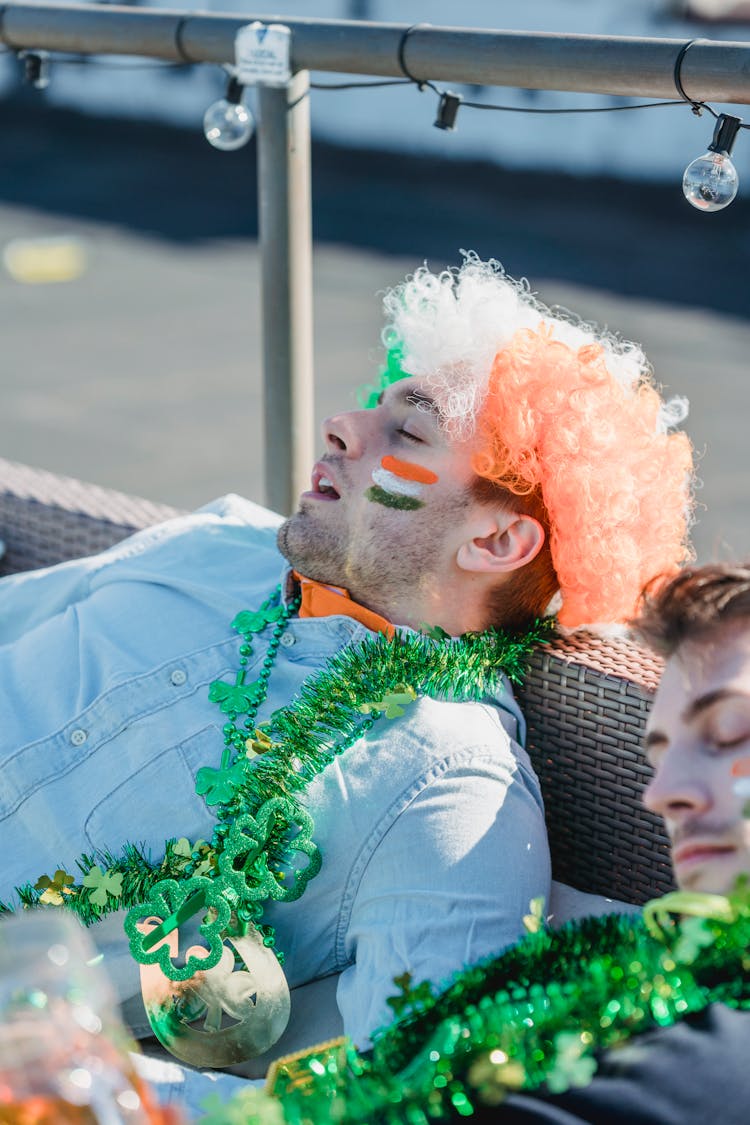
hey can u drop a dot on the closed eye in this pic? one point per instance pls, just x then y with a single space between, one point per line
409 436
730 743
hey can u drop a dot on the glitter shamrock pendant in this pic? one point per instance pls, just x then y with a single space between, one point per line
225 1014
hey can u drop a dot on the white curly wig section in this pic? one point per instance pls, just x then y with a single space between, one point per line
451 325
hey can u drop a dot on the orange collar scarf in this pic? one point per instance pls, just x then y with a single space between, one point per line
319 600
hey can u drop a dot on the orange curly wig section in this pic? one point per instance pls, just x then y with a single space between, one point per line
613 482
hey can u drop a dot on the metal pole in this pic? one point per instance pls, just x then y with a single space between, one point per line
712 71
286 269
617 64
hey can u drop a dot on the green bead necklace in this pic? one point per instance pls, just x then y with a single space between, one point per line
261 824
249 847
218 787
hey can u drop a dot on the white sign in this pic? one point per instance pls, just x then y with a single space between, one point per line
261 52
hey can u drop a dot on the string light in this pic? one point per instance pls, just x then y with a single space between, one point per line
447 111
228 124
710 182
35 68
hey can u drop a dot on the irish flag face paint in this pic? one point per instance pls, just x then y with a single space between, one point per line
741 774
400 484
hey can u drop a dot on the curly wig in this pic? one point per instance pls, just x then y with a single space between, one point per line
559 410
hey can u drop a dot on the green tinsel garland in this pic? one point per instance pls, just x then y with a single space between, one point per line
537 1016
326 712
333 708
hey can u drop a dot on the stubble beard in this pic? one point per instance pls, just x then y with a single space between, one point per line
315 551
378 570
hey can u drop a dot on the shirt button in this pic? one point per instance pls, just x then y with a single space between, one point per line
288 640
178 677
78 736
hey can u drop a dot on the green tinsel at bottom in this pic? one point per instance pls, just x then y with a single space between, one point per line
536 1017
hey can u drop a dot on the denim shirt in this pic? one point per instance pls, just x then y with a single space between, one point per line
431 826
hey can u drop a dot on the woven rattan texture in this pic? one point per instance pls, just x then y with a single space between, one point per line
585 698
585 730
45 518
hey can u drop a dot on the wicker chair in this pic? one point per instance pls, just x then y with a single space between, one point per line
585 698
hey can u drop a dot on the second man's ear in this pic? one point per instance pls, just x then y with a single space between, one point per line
513 540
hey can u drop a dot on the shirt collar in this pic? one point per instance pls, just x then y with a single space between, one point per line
322 600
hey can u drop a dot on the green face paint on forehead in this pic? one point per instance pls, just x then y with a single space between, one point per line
369 394
379 495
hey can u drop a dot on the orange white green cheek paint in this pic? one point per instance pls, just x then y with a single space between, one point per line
741 786
400 484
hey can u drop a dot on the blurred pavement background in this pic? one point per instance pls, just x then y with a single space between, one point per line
142 370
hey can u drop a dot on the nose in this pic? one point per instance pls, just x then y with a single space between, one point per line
677 790
345 433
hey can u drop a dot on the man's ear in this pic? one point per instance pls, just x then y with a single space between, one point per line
511 541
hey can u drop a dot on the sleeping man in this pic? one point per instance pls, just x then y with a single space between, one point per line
316 714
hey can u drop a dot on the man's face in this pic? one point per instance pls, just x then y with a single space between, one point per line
698 741
387 502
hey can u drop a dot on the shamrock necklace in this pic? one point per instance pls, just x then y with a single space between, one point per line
219 786
257 1001
261 824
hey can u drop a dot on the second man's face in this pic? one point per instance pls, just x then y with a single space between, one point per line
698 741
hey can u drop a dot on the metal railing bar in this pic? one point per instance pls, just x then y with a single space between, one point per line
617 65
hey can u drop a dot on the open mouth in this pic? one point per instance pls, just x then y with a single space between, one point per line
321 486
325 488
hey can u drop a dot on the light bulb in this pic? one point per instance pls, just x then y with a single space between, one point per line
228 124
710 182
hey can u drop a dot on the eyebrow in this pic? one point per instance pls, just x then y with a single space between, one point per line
703 702
410 398
696 708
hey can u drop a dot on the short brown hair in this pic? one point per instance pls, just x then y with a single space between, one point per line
692 605
514 605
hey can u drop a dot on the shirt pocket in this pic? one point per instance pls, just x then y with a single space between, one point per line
158 802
